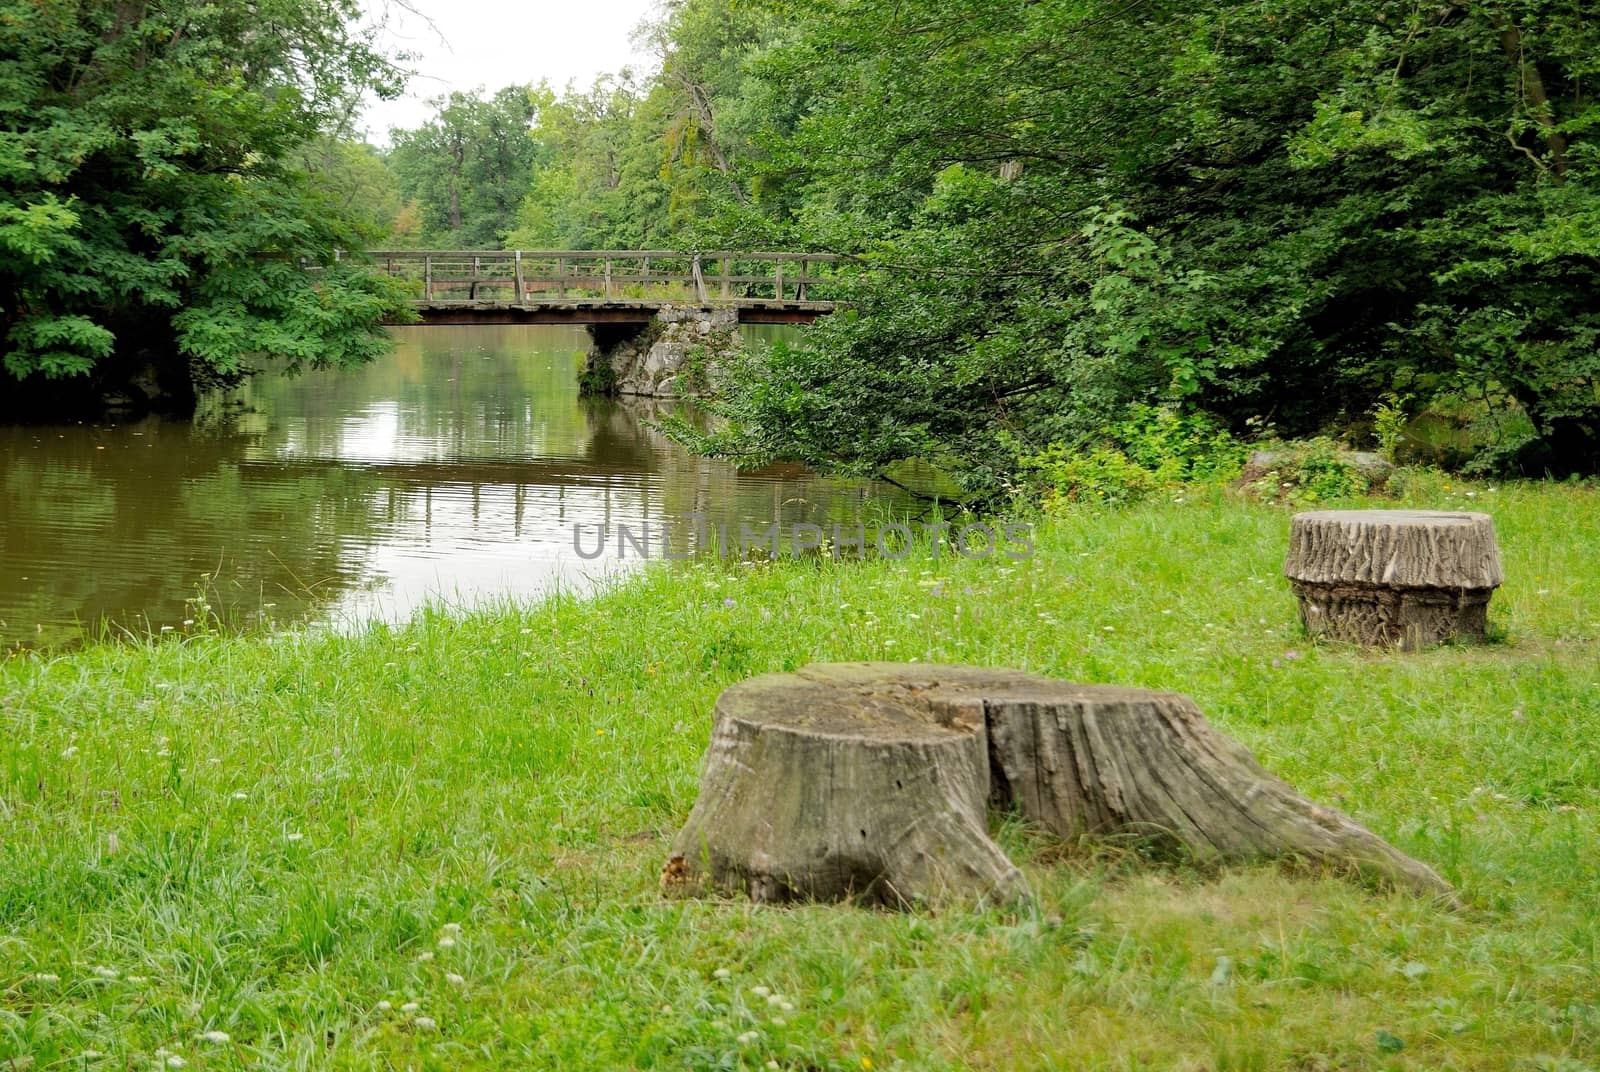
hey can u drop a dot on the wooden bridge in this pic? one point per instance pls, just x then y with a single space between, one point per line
610 286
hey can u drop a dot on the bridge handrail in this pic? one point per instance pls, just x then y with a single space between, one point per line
601 254
605 270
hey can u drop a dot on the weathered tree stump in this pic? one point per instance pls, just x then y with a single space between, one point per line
869 781
839 782
1410 578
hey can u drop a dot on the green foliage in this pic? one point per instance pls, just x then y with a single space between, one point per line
468 168
1310 471
151 208
1103 475
598 378
1179 447
1148 450
1389 419
1283 208
357 181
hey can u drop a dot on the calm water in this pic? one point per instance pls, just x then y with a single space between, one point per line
454 469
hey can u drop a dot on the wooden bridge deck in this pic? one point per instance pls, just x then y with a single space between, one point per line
610 286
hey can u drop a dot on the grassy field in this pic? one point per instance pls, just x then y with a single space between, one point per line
437 846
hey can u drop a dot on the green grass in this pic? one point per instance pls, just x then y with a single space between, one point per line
269 837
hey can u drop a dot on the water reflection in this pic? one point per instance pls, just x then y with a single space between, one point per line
456 468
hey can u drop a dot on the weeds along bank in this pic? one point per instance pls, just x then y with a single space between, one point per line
292 840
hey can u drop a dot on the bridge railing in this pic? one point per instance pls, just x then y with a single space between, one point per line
522 276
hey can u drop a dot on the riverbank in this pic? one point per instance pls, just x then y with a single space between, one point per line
286 840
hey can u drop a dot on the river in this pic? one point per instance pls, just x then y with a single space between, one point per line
451 471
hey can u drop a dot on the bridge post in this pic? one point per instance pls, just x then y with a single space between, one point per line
727 269
699 279
608 277
778 279
427 276
518 272
677 352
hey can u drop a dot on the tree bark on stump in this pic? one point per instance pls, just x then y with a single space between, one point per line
1411 578
1098 760
869 781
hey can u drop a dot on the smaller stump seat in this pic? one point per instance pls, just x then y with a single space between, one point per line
1406 578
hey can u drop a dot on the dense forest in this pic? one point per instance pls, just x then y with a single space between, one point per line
1063 216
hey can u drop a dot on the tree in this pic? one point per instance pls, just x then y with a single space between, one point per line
1278 209
153 215
357 181
600 183
469 167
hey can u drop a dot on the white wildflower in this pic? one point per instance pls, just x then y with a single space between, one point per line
447 942
760 991
410 1007
425 956
384 1006
106 973
721 973
749 1037
425 1023
173 1060
454 979
46 978
220 1038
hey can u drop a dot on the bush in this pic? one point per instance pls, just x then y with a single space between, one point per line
1311 471
1149 449
1104 475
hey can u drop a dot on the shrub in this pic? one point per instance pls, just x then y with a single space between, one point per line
1311 471
1147 450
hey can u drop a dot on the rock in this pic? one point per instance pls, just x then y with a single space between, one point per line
1374 467
677 354
1410 578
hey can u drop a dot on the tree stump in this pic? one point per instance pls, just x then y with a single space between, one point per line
840 783
869 781
1410 578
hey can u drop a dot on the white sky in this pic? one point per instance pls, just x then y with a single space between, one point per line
495 43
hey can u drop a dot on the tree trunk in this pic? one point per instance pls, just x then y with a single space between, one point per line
869 781
1410 578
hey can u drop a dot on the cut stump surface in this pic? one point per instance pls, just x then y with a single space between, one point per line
1407 578
871 781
